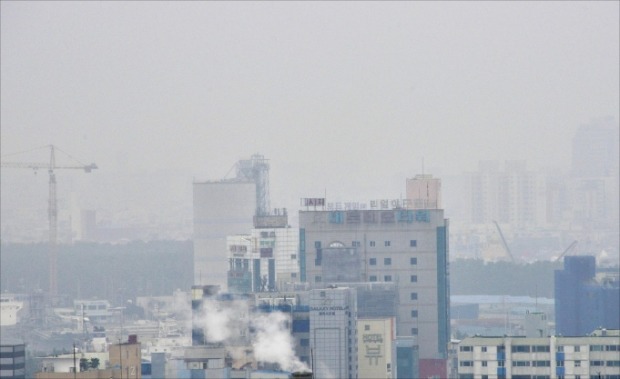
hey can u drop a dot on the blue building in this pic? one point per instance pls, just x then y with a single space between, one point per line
582 303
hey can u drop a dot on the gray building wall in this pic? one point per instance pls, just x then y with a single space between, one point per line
220 209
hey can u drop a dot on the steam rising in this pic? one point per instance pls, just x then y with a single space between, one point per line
273 342
228 322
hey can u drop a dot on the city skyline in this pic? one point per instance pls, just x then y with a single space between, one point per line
343 98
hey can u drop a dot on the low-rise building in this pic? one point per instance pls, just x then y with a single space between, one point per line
552 357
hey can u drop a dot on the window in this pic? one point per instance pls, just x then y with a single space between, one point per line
577 348
466 363
577 363
484 363
293 275
387 243
541 363
466 348
317 244
414 296
413 243
540 349
520 363
372 261
372 243
414 313
613 363
612 348
387 278
304 342
293 256
483 349
372 278
413 261
559 349
597 363
387 261
520 349
596 347
414 278
317 279
414 331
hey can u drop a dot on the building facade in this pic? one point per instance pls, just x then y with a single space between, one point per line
12 360
583 303
595 356
333 332
221 209
402 246
265 259
376 344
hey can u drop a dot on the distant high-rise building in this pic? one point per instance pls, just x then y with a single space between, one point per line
513 195
595 149
582 303
223 208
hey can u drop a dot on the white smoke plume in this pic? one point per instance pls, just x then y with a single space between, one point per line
223 321
273 342
228 321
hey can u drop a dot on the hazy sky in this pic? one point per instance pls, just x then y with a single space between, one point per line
343 96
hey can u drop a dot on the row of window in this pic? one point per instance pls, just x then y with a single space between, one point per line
412 243
603 348
388 278
540 348
388 261
528 348
543 363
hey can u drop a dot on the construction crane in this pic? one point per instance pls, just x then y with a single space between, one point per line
499 230
568 249
52 212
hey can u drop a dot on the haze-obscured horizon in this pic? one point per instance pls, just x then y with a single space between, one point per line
345 98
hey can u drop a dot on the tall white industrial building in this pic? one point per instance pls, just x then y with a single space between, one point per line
223 208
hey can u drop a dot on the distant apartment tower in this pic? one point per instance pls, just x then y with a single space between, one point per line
582 303
223 208
333 332
407 247
595 149
511 195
